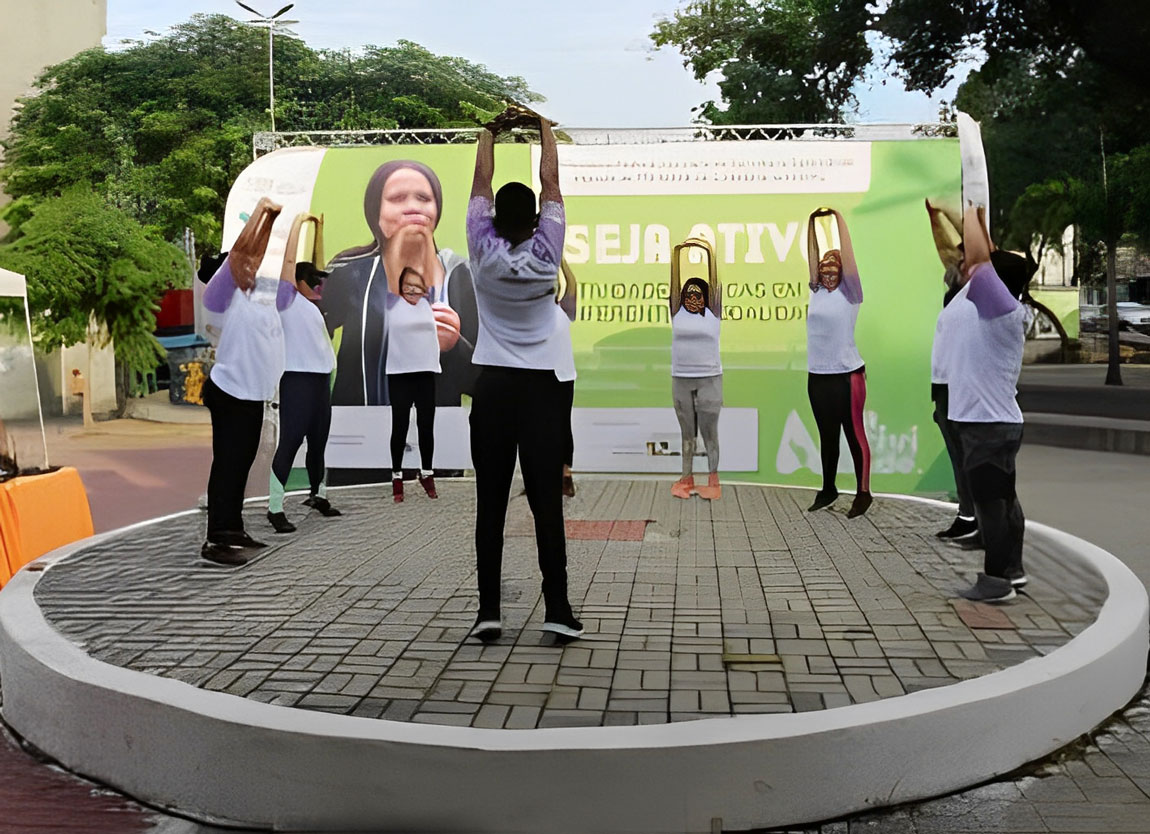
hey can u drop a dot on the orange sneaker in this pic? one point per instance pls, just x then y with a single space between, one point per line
683 487
712 490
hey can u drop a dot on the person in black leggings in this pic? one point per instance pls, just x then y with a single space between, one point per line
412 365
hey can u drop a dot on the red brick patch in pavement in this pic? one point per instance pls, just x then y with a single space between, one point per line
981 615
616 531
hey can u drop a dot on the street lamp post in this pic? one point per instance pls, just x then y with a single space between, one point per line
270 22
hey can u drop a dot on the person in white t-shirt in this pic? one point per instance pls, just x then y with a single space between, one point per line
305 398
248 366
945 229
836 378
987 335
696 376
412 366
519 401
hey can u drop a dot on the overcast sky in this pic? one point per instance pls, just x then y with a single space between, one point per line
590 58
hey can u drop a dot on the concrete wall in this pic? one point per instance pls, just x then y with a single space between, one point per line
35 34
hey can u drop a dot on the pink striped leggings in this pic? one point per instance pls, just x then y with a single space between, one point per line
837 401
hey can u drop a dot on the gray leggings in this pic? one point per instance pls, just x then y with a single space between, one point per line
698 401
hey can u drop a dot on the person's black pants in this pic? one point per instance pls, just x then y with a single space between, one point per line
406 390
236 426
940 396
837 402
305 412
519 411
989 451
569 437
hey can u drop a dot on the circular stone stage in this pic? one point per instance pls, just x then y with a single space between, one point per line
746 664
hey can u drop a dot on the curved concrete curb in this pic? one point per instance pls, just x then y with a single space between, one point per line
224 759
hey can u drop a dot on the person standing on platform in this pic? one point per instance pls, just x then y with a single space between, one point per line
987 334
249 363
519 402
305 387
412 366
696 369
946 233
836 378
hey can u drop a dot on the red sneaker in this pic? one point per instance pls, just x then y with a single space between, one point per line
397 490
428 485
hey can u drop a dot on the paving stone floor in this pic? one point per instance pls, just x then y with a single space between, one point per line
692 609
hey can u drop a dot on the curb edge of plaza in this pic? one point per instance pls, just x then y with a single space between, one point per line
222 759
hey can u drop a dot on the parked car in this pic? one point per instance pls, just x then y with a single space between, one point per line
1133 316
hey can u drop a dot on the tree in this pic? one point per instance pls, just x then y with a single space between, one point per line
89 263
788 61
162 129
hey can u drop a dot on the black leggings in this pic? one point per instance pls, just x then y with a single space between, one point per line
566 432
406 390
837 402
236 427
305 412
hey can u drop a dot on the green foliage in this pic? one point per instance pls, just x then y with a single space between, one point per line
86 260
787 61
162 129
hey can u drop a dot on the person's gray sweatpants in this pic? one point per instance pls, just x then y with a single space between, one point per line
698 401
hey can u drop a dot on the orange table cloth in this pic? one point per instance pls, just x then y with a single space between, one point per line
39 513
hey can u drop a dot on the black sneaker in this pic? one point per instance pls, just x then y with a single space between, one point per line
990 589
323 505
281 523
823 499
860 505
960 528
567 626
486 628
236 538
223 554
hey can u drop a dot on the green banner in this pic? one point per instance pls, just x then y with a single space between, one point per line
627 206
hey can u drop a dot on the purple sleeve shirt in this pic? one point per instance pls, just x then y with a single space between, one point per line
220 291
546 245
988 294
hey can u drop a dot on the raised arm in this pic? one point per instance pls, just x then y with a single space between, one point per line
676 293
548 165
975 238
716 294
484 165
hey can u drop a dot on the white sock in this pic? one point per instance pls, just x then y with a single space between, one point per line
426 473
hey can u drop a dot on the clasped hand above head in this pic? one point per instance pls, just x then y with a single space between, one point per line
516 115
248 250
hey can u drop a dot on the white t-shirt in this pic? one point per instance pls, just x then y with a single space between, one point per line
307 348
940 347
831 333
515 288
695 344
412 343
560 347
984 359
250 356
